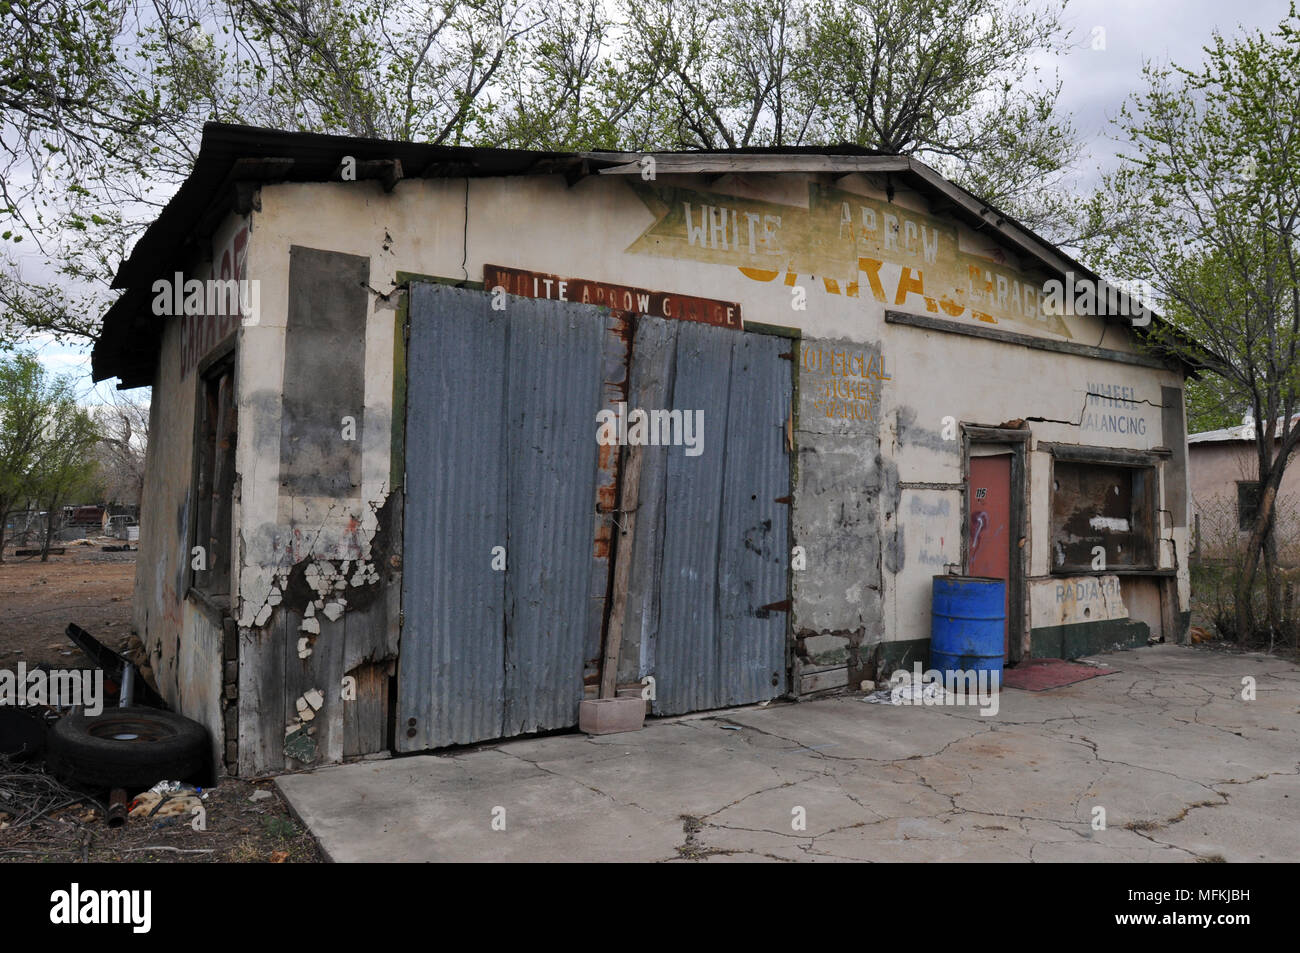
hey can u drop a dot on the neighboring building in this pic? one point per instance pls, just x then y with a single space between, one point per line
1224 471
377 516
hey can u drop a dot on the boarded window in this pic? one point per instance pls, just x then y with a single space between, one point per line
1247 504
1107 506
214 480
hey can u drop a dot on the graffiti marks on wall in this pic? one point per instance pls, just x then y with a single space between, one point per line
933 529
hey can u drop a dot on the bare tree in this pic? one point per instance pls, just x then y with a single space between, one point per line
123 426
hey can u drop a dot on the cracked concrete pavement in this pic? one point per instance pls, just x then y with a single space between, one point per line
1183 766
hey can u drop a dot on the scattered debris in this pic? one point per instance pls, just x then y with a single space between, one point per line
28 795
158 804
114 665
930 693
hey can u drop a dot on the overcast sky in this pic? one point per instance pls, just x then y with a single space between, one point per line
1095 81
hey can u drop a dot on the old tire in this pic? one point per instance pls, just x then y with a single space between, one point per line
132 748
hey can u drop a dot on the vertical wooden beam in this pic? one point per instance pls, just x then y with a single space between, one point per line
622 571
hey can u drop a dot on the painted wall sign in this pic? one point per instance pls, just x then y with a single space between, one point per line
200 333
1076 600
906 258
660 304
843 382
1104 399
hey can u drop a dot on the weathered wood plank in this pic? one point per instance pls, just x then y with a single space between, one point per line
624 535
650 386
1024 340
321 671
823 681
365 720
261 696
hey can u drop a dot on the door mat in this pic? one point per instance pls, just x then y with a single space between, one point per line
1041 674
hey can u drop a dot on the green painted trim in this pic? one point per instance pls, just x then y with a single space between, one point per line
406 277
1087 638
397 454
780 330
796 361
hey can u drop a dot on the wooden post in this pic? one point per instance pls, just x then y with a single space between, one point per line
622 571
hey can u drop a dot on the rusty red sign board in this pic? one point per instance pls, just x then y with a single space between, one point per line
660 304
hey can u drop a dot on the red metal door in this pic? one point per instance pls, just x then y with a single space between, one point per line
989 540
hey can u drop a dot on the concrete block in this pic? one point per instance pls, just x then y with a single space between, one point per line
604 716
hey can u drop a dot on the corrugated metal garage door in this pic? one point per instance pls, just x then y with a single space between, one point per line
718 552
501 452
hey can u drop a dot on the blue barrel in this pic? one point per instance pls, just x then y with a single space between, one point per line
967 619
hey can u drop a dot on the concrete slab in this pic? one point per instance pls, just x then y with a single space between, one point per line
1182 764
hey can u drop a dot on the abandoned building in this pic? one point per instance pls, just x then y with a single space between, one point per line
493 431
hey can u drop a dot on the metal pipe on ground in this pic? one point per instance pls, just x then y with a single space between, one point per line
117 807
126 695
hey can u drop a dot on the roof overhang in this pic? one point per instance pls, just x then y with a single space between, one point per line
234 161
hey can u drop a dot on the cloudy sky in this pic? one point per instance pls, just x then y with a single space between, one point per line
1095 81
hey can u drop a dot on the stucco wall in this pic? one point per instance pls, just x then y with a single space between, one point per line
184 641
1214 470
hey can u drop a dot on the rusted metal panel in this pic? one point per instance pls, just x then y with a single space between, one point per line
501 452
659 304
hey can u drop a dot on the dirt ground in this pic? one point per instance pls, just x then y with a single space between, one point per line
37 601
238 830
93 589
